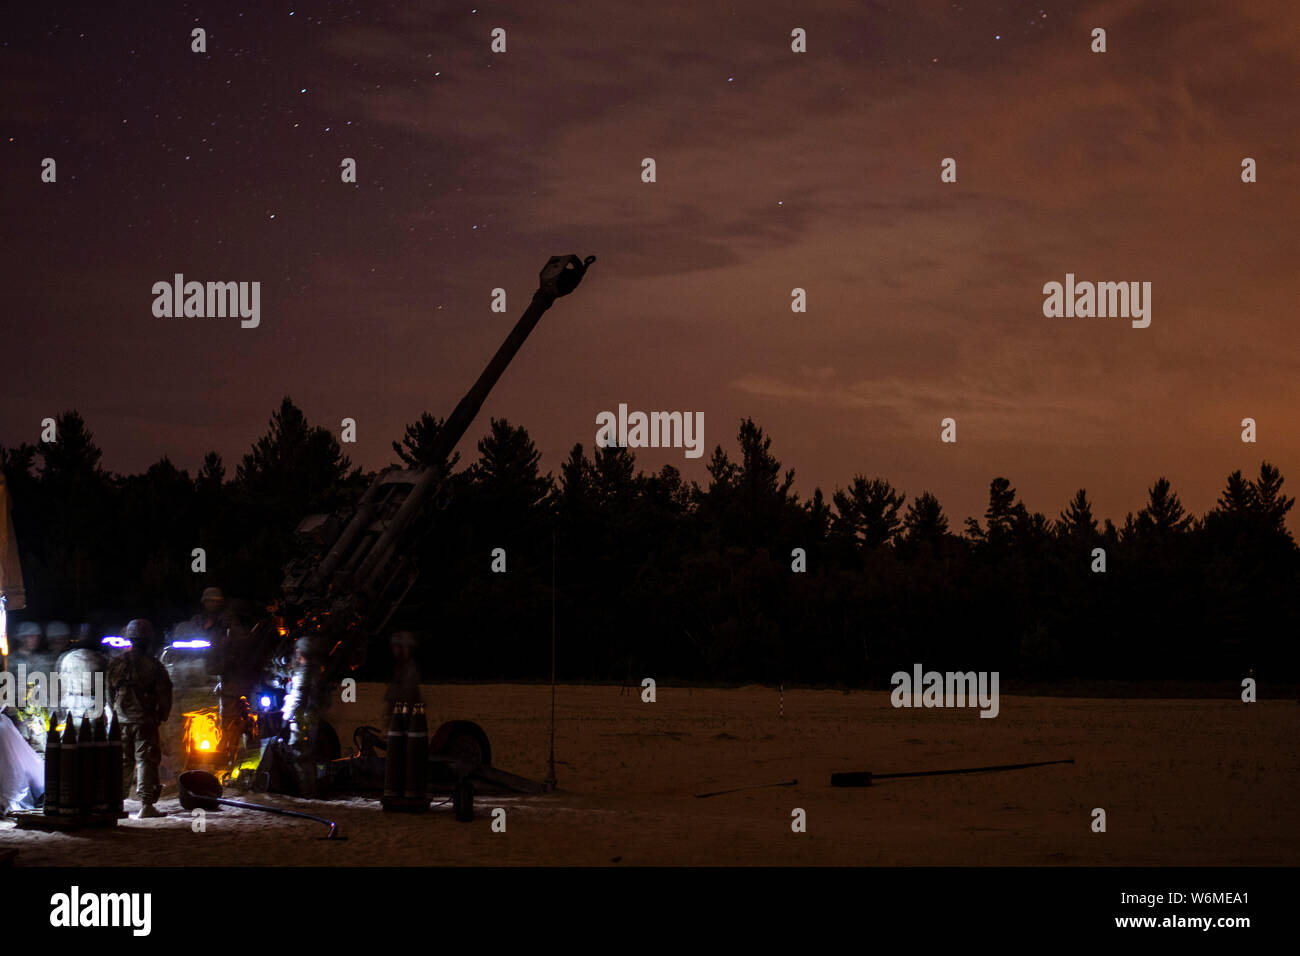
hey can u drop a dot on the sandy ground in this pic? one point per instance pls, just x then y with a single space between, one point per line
1182 782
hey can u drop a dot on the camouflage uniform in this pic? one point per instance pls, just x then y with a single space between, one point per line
140 693
25 661
58 637
303 710
232 650
77 669
33 722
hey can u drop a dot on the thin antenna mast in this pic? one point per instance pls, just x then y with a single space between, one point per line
550 764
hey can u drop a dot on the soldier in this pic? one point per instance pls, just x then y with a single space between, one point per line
78 669
233 652
57 638
405 686
27 661
23 646
28 650
302 711
140 693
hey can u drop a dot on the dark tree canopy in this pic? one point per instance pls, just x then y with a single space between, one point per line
293 460
734 579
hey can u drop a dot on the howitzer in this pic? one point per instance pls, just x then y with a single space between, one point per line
349 595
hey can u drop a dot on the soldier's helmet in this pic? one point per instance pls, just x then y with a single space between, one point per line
58 635
212 594
29 631
140 633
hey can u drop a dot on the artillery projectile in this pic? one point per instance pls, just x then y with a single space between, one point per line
86 761
395 760
53 764
69 797
417 755
100 797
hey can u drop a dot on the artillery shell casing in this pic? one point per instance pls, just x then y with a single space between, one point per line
86 754
417 756
53 764
395 758
99 801
69 798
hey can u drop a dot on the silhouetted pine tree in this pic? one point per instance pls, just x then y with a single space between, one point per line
868 512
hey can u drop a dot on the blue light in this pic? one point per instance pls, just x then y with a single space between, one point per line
266 702
195 643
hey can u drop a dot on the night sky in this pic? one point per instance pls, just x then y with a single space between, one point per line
775 170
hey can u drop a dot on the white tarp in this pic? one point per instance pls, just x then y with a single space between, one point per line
22 771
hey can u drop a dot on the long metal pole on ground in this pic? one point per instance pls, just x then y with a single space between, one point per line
863 778
1004 766
752 786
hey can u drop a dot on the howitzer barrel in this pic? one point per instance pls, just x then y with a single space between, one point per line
365 514
558 277
351 594
459 421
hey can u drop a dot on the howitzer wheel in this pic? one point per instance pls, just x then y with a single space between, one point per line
463 740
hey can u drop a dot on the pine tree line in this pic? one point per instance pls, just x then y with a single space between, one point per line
684 580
